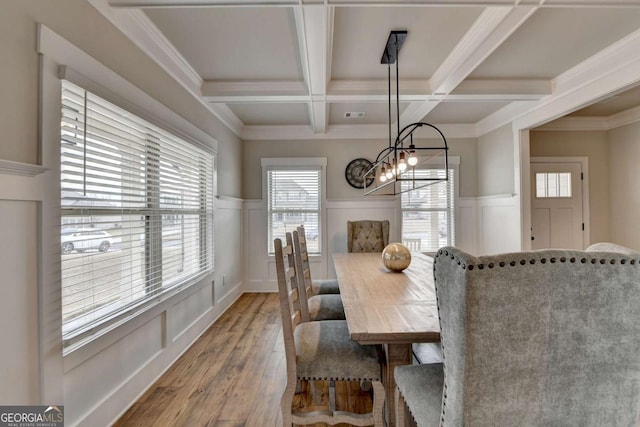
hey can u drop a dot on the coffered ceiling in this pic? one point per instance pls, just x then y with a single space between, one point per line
298 69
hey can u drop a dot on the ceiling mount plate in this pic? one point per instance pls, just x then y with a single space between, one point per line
389 55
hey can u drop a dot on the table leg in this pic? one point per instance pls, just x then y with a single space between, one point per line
396 354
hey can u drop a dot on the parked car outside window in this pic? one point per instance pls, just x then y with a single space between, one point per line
81 240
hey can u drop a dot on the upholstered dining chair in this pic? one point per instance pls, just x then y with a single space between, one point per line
312 307
318 287
543 338
321 351
367 235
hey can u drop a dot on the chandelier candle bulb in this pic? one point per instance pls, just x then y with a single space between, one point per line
402 165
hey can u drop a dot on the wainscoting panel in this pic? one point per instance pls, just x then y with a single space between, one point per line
467 225
19 291
255 243
90 383
228 246
182 315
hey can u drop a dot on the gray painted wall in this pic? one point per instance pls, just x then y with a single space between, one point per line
624 184
87 398
339 153
496 162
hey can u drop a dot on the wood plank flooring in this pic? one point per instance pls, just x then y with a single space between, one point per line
233 376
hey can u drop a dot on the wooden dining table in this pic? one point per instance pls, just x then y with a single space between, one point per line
388 308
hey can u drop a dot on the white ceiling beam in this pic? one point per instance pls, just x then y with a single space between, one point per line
342 91
570 123
255 92
609 71
593 123
624 118
369 132
534 87
243 88
378 87
487 33
312 29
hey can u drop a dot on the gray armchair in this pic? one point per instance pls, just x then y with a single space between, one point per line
544 338
367 235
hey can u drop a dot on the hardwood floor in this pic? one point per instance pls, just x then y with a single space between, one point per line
233 376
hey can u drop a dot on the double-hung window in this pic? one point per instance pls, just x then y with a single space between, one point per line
428 221
136 210
294 198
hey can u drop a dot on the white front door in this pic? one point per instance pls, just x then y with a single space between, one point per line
556 206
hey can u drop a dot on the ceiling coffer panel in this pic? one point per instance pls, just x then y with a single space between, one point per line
243 43
361 33
271 113
554 40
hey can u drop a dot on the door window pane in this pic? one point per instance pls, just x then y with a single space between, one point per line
553 184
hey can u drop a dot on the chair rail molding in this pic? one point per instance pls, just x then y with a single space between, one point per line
8 167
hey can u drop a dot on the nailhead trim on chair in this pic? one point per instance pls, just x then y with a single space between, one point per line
532 261
435 260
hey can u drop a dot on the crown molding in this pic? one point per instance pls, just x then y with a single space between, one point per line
624 118
139 29
576 123
227 117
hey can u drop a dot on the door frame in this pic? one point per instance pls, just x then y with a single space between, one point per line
584 161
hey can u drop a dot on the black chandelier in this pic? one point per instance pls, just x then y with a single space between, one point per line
406 164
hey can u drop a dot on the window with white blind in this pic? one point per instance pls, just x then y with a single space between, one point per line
294 199
136 209
428 221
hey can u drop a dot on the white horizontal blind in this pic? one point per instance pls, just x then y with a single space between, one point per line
137 211
294 200
428 213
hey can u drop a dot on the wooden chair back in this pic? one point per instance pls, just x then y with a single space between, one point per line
289 298
303 272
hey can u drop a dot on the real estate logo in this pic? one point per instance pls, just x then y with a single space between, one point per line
32 416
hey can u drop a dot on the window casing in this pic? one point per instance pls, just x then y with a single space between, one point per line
428 213
136 212
294 198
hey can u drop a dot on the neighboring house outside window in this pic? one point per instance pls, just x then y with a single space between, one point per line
428 213
294 194
136 209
